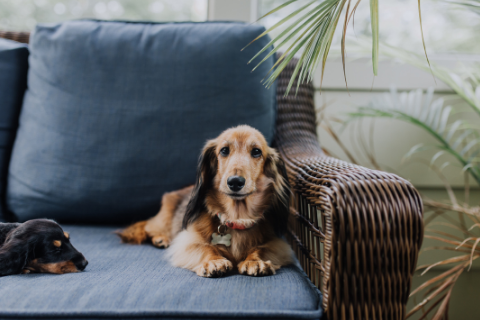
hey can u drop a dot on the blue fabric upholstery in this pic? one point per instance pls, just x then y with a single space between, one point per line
13 82
116 113
137 281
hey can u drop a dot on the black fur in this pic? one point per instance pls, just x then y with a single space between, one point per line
279 211
206 170
20 243
5 229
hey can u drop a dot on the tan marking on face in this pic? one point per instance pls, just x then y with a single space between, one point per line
56 268
57 243
66 234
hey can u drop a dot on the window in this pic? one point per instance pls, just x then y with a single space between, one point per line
448 27
25 14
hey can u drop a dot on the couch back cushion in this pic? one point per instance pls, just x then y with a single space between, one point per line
116 114
13 82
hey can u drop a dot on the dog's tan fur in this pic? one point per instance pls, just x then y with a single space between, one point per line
56 268
256 251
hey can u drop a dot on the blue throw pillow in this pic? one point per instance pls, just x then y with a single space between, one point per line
116 113
13 82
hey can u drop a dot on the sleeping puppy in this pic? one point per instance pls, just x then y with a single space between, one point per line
234 216
38 245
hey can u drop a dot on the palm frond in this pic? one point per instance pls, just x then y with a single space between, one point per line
375 29
318 23
421 31
447 279
466 85
312 34
473 5
453 137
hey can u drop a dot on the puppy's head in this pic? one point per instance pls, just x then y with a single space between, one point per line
244 170
39 245
241 154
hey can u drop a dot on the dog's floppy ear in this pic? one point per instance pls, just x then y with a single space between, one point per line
278 212
206 170
15 255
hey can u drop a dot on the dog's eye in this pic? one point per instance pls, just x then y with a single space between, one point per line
225 151
256 152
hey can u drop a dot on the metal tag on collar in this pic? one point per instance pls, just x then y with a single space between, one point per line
221 229
221 237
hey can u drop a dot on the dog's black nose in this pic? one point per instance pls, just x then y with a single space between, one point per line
82 265
236 183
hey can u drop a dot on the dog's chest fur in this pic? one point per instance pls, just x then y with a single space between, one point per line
243 241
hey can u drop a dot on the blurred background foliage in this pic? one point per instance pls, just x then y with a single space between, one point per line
451 28
23 15
448 28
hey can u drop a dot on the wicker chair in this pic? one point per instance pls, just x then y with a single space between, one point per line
356 232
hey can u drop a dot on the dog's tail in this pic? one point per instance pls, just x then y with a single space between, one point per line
134 234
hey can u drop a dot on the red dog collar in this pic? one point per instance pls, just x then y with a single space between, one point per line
242 224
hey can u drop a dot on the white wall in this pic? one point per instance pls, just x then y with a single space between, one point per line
236 10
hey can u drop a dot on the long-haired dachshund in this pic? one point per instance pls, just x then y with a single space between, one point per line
37 245
235 215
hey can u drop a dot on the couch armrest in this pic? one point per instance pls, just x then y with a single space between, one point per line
356 232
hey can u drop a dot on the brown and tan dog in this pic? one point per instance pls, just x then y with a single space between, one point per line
235 214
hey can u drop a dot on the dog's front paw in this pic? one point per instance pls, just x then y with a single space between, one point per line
214 268
161 242
134 234
257 268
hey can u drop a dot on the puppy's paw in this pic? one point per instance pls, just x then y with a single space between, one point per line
214 268
257 268
134 234
161 241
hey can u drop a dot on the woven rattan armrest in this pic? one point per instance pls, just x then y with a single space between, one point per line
356 232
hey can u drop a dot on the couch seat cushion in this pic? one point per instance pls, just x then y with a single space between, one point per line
128 281
116 114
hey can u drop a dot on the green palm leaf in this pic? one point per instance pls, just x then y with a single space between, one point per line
454 137
467 86
312 33
473 5
374 19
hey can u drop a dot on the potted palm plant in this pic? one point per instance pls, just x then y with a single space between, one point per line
308 33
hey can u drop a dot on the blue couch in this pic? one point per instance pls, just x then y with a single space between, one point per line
113 114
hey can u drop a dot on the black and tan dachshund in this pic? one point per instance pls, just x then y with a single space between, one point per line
38 245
